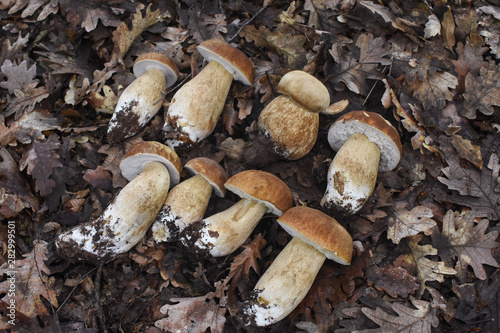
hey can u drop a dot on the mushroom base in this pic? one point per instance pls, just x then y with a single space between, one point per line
186 203
224 232
285 283
123 223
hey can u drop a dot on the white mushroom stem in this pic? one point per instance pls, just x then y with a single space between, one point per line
286 282
186 203
124 222
143 98
197 106
352 175
224 232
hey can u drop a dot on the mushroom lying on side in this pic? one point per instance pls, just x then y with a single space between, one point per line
316 237
152 168
366 144
289 124
187 202
142 99
197 105
222 233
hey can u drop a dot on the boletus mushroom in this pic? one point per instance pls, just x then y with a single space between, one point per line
289 124
142 99
197 105
220 234
152 168
366 143
187 202
316 237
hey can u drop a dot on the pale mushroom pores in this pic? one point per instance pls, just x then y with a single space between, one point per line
152 169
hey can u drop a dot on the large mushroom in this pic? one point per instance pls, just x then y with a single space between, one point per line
142 99
187 202
152 168
316 237
288 125
366 143
222 233
196 106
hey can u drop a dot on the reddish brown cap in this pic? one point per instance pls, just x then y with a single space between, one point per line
157 60
231 58
263 187
306 90
319 230
378 130
151 151
211 171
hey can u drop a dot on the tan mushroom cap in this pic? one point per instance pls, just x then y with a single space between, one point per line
231 58
319 230
156 60
377 129
211 171
263 187
145 152
306 90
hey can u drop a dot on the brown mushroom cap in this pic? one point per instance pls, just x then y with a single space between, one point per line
306 90
231 58
156 60
319 230
151 151
377 130
211 171
263 187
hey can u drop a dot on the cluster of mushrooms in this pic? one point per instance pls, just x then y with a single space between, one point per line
156 198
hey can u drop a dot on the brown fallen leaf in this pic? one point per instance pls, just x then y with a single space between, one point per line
466 242
41 160
434 90
29 278
30 126
482 92
196 314
407 223
417 263
395 281
448 29
467 150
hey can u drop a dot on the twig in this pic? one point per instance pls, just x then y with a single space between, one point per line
101 319
249 21
74 287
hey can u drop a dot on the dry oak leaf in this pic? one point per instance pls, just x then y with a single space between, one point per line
434 90
87 14
467 150
196 314
448 29
395 281
25 100
30 277
11 50
417 318
467 242
123 37
41 160
425 269
476 188
27 128
355 64
15 194
239 272
284 41
482 92
409 223
18 76
384 12
31 7
204 26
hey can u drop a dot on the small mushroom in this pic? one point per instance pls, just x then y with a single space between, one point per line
289 124
316 237
152 168
366 144
222 233
187 202
142 99
197 105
